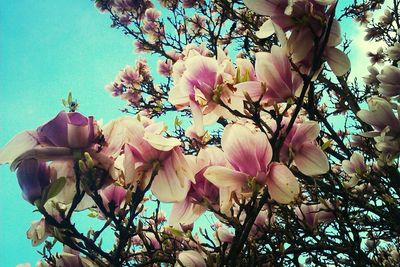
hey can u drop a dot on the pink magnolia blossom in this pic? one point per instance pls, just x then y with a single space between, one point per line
300 146
380 115
249 153
113 196
355 168
130 77
164 67
394 51
276 82
187 211
191 258
145 148
245 70
152 14
201 84
288 14
304 20
53 140
355 165
223 235
371 79
312 215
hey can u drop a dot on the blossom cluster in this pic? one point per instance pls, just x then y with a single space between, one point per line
261 156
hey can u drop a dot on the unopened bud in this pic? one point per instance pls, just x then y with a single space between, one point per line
89 160
82 166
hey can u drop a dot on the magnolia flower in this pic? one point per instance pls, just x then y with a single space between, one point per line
371 79
249 153
190 258
380 115
312 215
53 140
130 77
69 258
354 168
393 52
200 84
389 78
68 129
145 149
164 67
113 196
355 165
33 177
38 232
152 14
304 19
276 82
300 146
187 211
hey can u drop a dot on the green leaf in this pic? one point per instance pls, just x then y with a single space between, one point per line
175 231
56 187
93 214
69 98
178 122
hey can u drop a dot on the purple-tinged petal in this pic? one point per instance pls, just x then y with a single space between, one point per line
33 177
78 136
305 132
248 152
55 131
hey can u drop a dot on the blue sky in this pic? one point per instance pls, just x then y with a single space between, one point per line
48 48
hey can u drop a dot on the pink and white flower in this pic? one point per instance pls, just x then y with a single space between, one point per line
249 154
300 146
276 82
187 211
312 215
145 149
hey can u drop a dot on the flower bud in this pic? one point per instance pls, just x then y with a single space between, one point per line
191 258
33 177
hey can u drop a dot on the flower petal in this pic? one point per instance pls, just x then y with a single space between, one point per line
185 212
247 151
337 60
282 184
191 258
225 177
311 160
170 184
20 143
160 142
266 30
306 131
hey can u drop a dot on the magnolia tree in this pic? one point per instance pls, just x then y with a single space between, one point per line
293 162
